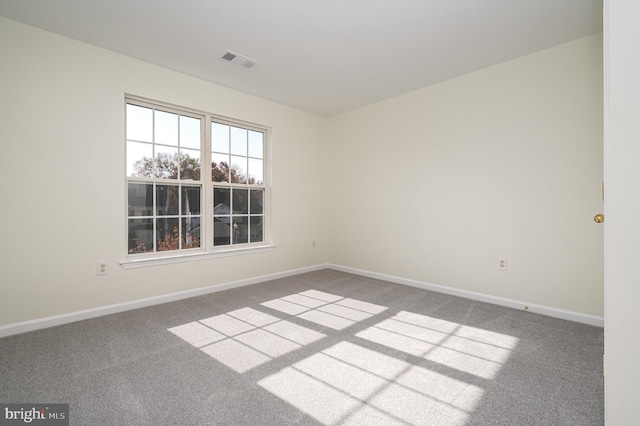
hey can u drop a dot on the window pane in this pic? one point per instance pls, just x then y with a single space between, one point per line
255 144
140 235
221 231
219 167
221 201
238 141
240 229
139 123
139 159
167 234
140 196
166 128
257 201
256 234
189 164
240 201
219 138
167 200
191 232
222 220
189 132
255 171
191 200
238 169
166 162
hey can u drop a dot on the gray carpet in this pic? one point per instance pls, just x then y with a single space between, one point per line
322 348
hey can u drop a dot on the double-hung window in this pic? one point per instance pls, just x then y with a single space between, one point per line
176 204
237 172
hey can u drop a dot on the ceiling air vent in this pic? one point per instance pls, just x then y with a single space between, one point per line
243 61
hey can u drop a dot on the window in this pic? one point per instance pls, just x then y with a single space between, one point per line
174 205
238 196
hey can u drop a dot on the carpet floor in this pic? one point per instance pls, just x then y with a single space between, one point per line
320 348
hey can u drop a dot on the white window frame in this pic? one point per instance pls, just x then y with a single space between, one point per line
207 250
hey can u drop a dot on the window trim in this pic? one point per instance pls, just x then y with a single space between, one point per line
207 250
191 256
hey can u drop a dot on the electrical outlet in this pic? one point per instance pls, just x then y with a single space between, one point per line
502 263
424 254
102 267
313 244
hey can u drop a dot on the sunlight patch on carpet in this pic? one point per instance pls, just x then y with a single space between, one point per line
246 338
349 384
464 348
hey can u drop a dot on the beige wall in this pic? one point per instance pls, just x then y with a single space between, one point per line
506 161
62 167
622 227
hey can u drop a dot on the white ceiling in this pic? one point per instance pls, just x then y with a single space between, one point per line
321 56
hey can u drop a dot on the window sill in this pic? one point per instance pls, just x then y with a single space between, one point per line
192 257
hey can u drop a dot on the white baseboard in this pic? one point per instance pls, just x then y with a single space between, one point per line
40 323
510 303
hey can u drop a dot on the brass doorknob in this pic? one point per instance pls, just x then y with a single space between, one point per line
599 218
